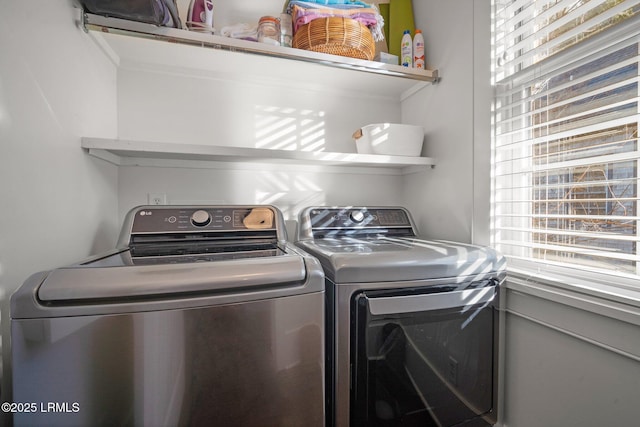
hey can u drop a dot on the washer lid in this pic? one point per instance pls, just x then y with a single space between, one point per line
388 259
82 284
103 287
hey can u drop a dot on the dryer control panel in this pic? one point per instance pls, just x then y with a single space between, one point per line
318 222
359 217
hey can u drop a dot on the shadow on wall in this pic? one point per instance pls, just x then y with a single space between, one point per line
286 128
289 128
290 192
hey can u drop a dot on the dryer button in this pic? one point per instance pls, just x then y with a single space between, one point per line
357 216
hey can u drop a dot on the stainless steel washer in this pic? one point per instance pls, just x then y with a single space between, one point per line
203 316
411 323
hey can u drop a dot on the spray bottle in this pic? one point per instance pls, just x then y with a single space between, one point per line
406 50
418 50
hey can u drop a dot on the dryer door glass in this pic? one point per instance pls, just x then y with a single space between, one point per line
423 358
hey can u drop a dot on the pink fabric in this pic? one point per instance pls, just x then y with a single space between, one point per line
301 16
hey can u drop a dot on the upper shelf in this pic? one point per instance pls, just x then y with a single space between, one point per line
148 153
131 43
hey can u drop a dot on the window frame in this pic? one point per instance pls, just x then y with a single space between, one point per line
623 288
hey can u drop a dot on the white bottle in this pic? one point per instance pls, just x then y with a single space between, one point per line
406 50
418 50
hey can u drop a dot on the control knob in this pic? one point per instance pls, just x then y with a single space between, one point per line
357 216
200 218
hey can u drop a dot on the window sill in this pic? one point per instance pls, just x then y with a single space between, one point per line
611 296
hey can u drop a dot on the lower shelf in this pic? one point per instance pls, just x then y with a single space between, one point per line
131 153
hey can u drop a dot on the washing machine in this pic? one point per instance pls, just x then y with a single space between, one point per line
412 324
204 315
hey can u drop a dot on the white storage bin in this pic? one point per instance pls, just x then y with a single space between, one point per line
390 139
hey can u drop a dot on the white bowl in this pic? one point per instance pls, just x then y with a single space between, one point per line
389 139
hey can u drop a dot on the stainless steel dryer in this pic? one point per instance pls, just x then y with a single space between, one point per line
411 323
203 316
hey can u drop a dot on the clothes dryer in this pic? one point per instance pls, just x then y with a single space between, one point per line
412 324
204 315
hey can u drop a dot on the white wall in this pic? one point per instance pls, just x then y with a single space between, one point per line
482 105
58 205
570 359
241 111
288 188
442 198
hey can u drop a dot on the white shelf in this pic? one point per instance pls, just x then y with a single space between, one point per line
134 153
135 44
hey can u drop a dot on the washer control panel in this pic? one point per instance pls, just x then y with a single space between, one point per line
197 219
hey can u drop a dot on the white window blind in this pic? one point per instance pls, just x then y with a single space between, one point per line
566 158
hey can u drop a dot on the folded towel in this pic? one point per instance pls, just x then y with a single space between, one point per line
336 4
240 31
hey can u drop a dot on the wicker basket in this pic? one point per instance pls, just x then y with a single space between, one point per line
337 36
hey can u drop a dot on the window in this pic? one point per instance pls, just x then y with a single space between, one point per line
566 112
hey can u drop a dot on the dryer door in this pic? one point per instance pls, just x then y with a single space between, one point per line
423 356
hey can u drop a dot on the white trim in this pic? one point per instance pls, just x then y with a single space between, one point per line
575 335
618 289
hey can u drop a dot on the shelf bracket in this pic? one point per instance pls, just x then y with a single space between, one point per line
81 20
